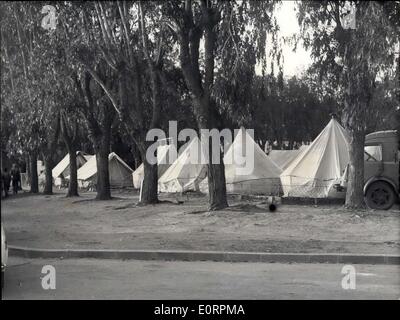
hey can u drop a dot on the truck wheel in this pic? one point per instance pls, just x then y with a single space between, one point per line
380 195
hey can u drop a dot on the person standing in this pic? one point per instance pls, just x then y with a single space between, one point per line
6 182
16 178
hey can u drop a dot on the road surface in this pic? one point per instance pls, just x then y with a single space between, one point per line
116 279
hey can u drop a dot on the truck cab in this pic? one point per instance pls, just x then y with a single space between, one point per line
381 169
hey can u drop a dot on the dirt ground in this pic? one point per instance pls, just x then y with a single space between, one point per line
59 222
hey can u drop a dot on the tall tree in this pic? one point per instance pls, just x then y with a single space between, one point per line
20 38
215 39
75 30
100 116
70 117
355 54
134 50
46 100
70 134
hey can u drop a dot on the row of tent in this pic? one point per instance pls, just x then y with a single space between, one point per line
310 171
120 173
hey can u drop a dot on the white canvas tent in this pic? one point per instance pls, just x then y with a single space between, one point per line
263 178
283 158
61 170
120 172
184 174
313 172
163 160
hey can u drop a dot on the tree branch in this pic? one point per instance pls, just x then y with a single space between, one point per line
143 32
122 13
106 90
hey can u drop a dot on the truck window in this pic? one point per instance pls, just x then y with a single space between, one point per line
373 153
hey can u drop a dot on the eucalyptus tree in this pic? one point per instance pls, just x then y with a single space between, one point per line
354 43
71 134
217 40
20 34
86 101
72 125
100 117
47 102
127 39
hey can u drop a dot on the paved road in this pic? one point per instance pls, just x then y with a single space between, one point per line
115 279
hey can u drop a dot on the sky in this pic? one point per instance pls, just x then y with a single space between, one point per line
298 61
295 62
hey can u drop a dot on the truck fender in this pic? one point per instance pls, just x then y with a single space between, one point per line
385 179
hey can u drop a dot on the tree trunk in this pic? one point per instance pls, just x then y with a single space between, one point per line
48 164
200 84
103 175
34 174
69 133
355 183
217 186
357 99
73 174
28 169
150 183
215 171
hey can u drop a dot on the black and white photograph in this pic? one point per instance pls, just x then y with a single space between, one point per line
199 154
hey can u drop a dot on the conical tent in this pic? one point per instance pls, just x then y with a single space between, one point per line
61 170
313 172
283 158
120 173
163 154
262 177
186 172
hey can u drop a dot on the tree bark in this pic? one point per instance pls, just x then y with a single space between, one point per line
208 118
48 151
355 183
150 178
217 186
73 173
34 174
70 138
216 179
28 169
48 165
103 176
357 100
150 182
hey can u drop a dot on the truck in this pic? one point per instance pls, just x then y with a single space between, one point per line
381 169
